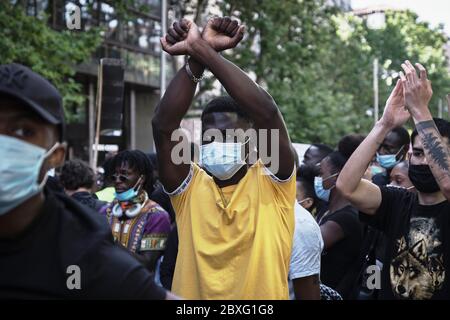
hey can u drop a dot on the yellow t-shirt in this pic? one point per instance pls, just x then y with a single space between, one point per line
240 250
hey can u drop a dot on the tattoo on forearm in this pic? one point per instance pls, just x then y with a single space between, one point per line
425 125
436 148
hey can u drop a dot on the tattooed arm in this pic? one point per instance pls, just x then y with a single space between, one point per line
418 93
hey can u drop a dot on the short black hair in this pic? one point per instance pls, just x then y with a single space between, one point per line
108 171
153 160
76 174
305 176
403 134
338 160
323 149
139 161
348 144
225 104
442 125
308 188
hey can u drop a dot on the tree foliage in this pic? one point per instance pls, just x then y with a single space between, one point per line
405 37
54 54
30 40
316 61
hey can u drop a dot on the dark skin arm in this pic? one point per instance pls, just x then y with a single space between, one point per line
179 94
307 288
332 233
251 97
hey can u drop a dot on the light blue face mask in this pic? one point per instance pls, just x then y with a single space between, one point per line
321 192
374 170
126 195
222 160
19 171
388 161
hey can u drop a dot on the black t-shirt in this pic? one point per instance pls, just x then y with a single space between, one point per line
69 246
417 251
340 259
380 179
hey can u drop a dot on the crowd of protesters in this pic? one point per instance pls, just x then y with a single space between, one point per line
365 219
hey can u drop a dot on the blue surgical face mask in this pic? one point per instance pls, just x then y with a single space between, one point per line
126 195
130 193
388 161
374 170
222 160
19 171
321 192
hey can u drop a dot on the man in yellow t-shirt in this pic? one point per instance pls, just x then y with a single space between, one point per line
235 217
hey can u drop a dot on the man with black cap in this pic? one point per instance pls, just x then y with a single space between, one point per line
51 246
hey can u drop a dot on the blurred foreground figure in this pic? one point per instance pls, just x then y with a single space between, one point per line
50 245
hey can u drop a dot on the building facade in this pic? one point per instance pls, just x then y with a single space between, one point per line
131 35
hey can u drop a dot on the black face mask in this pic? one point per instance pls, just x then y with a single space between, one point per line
422 178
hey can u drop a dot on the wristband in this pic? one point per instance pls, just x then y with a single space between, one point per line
191 75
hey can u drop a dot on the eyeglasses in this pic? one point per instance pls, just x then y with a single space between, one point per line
121 177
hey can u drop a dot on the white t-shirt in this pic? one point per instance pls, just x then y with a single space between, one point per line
306 248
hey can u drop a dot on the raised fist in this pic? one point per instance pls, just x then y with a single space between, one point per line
223 33
180 37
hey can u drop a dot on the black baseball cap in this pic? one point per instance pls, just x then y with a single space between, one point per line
34 91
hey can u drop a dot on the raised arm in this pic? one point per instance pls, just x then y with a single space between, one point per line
363 194
255 101
175 104
418 93
179 94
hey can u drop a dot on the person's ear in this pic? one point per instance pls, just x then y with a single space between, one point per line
56 159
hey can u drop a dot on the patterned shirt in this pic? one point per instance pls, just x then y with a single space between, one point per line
147 231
